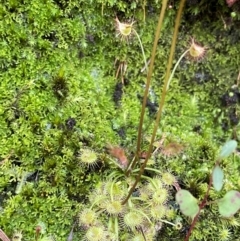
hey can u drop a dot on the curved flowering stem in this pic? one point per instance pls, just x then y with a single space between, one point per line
143 53
175 67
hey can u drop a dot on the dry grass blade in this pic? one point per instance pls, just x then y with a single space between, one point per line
6 158
3 236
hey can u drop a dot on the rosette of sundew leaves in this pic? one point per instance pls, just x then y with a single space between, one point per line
227 206
17 235
106 218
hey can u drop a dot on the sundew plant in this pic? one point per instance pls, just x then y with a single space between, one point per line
112 116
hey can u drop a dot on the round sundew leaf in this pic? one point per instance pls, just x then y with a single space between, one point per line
187 202
229 204
217 177
228 148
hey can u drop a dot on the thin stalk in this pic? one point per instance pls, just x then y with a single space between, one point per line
143 53
148 82
116 228
143 214
3 236
162 100
165 221
144 10
143 234
238 79
201 206
167 79
129 167
175 67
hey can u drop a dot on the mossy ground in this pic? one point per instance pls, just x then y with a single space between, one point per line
59 96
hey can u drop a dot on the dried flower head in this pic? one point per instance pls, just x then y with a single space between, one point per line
196 51
123 29
118 153
41 228
230 2
172 149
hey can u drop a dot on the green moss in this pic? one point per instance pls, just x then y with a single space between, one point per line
57 87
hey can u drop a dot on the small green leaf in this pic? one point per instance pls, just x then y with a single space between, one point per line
228 148
187 202
229 204
217 177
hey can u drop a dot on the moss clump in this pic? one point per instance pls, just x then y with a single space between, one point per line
60 87
48 116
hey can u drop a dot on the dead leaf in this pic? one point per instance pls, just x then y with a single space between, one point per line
172 149
230 2
3 236
118 153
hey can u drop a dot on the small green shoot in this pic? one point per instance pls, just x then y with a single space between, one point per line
228 205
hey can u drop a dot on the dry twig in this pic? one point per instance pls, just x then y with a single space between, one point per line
3 236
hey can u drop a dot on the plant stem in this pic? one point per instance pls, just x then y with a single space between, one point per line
201 206
133 162
162 100
167 78
3 236
144 10
175 67
149 76
140 42
143 234
116 228
165 221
